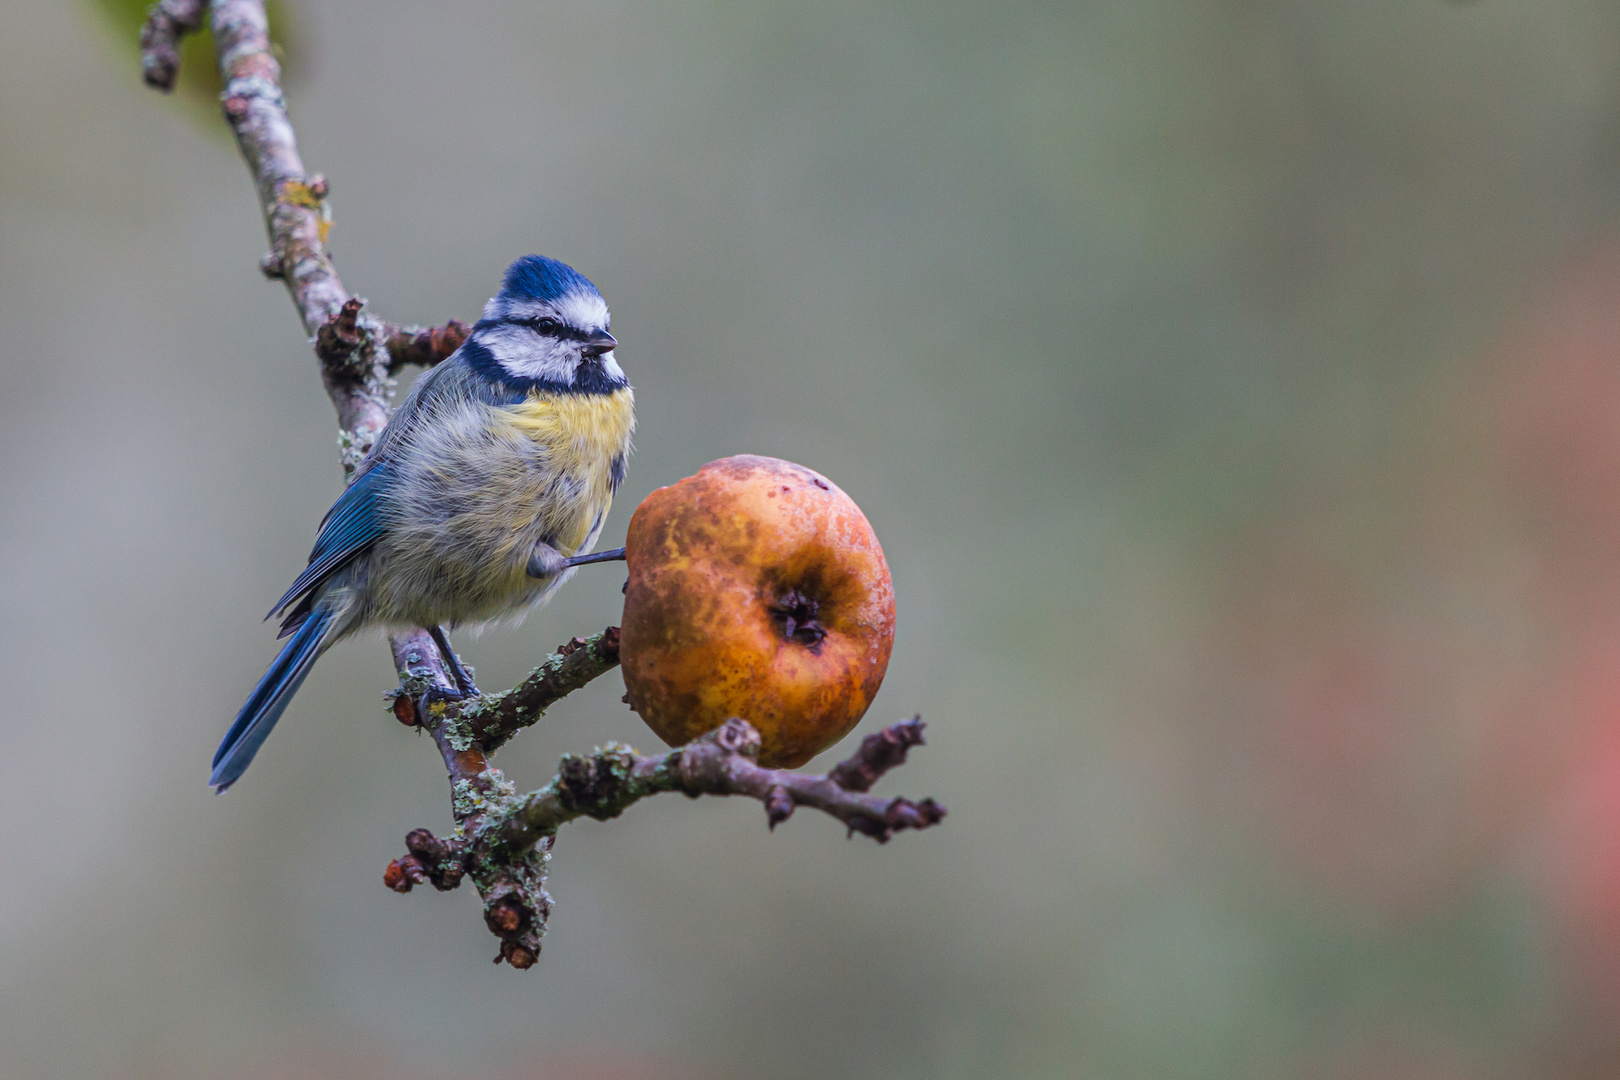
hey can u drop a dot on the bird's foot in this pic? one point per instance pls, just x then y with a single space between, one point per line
464 680
458 671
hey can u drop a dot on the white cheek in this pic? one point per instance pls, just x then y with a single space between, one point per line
505 343
528 355
611 366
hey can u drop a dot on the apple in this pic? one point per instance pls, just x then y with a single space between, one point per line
757 589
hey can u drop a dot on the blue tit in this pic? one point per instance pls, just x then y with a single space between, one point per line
498 467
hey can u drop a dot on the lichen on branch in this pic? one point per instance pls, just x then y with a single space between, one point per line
495 718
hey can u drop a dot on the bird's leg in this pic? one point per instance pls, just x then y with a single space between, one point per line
547 561
610 555
453 662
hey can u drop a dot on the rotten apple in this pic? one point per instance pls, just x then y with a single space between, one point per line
757 589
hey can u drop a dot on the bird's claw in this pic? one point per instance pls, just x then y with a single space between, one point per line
437 694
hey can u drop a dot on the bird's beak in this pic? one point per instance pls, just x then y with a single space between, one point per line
599 343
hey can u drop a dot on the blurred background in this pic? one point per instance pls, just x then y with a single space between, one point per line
1235 388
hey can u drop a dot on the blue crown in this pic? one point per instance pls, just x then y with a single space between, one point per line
535 277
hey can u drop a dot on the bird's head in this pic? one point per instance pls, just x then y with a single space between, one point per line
548 328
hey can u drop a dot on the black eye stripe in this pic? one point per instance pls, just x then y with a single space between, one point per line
551 328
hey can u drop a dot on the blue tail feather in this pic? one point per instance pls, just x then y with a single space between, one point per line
269 700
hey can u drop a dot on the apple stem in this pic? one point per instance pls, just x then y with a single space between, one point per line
613 555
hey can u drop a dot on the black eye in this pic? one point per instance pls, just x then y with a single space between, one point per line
545 326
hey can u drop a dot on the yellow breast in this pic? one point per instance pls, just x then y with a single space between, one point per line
584 437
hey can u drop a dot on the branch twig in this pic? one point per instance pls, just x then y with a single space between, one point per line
414 345
720 763
169 21
495 718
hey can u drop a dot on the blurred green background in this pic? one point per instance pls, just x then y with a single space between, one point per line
1235 388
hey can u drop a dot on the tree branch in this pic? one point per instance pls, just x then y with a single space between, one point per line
495 718
504 839
605 784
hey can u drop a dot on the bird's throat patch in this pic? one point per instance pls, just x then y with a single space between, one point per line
578 430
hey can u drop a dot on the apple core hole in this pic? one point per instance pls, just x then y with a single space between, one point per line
795 616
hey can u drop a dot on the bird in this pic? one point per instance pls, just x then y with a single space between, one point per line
476 501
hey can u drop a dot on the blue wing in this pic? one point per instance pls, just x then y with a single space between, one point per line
352 525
